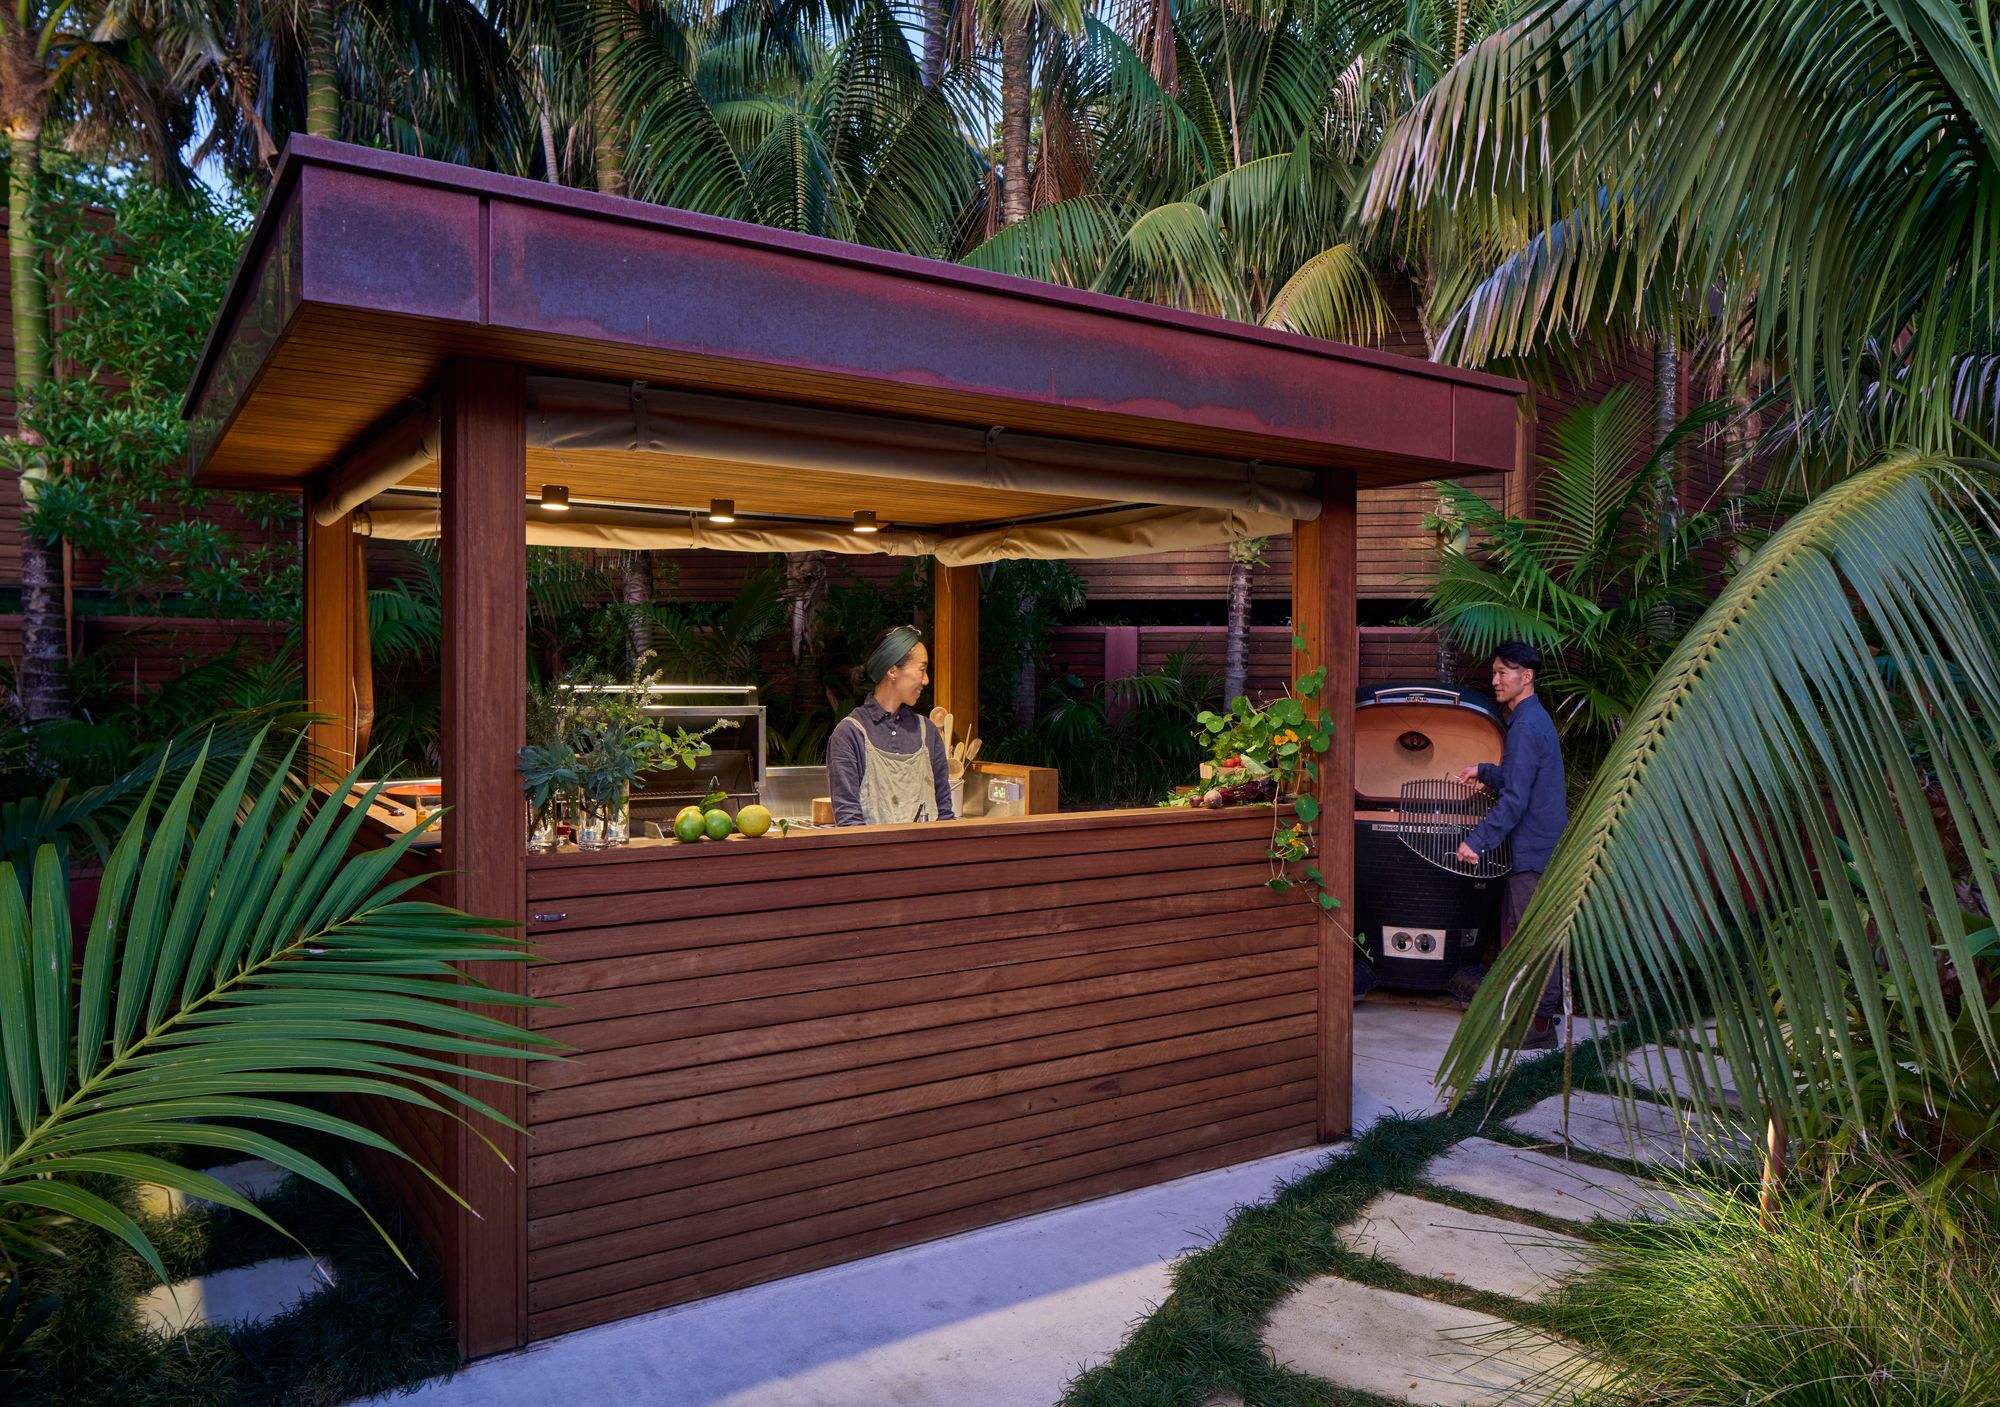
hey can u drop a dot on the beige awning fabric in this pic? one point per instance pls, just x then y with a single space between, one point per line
569 414
1129 532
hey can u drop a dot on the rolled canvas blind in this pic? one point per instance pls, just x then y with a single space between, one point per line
1126 533
566 413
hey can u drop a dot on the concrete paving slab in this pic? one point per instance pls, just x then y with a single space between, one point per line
1003 1316
1537 1182
1677 1072
1479 1252
1643 1132
253 1177
1415 1350
259 1291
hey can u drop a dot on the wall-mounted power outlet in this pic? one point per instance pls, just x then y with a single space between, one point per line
1418 943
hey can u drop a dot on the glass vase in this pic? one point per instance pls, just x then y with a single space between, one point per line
604 822
543 835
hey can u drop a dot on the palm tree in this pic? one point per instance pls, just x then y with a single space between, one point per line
1823 175
429 77
1222 186
1794 833
75 68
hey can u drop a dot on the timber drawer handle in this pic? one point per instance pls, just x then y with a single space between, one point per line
550 918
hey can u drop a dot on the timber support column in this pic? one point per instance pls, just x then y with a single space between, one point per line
955 645
484 562
332 595
1323 615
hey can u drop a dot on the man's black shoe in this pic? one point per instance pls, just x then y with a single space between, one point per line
1541 1034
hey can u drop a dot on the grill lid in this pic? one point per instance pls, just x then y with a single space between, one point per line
1418 733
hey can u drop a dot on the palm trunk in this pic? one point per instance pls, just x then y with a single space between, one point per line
322 69
1026 694
604 104
635 590
1666 413
1236 638
1014 125
937 14
44 678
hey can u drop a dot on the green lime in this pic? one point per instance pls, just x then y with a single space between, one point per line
688 826
753 820
717 824
694 811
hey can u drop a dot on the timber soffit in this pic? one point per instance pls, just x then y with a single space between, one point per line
491 227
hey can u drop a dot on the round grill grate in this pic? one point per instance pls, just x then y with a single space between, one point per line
1433 819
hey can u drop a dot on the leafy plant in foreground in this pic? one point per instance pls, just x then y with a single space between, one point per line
1767 756
236 967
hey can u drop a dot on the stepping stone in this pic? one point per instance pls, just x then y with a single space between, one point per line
1679 1073
1537 1182
1415 1350
253 1177
1221 1397
253 1292
1479 1252
1640 1131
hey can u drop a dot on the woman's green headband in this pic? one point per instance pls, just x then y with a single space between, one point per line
894 649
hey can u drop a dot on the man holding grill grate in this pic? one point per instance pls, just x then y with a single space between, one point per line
1532 808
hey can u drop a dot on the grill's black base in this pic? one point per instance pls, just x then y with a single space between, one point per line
1421 923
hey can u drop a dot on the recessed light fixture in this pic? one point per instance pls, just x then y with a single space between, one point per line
864 522
722 510
555 498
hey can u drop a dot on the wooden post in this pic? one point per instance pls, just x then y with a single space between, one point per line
483 556
955 646
1323 615
330 634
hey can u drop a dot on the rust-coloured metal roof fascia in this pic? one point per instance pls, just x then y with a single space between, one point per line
397 234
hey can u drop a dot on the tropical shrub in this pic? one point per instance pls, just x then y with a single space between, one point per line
1831 1300
243 965
1122 742
1603 577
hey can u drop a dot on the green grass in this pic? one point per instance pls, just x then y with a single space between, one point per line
1208 1332
378 1328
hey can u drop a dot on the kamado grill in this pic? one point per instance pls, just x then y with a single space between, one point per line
1423 913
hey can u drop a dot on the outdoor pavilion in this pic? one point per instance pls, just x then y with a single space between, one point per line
801 1051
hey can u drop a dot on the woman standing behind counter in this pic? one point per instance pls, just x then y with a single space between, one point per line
885 762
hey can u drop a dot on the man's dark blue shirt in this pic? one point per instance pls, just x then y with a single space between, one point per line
1533 807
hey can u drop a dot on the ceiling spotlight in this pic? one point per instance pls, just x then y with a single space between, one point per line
864 522
555 498
722 510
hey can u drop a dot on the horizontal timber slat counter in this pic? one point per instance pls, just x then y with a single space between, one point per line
795 1052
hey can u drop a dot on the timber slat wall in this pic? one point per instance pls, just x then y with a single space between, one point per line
1389 654
797 1052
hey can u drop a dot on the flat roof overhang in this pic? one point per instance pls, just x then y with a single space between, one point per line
366 271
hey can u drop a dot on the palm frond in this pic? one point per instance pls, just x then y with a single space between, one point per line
1066 243
1333 295
1759 845
243 961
